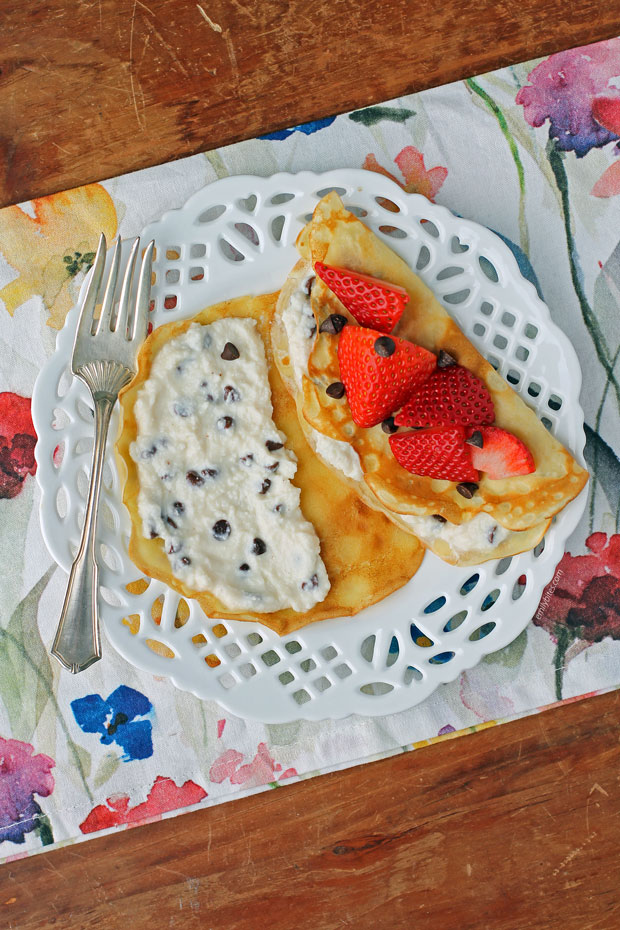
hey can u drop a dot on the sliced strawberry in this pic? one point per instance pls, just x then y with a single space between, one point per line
379 372
372 302
440 452
502 455
450 397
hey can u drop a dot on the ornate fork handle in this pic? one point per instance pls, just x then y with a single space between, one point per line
77 636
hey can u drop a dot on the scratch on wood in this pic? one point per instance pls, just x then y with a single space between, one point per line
243 9
231 54
66 151
573 853
144 7
168 48
131 82
214 26
597 787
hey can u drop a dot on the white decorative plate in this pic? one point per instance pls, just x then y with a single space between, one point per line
235 237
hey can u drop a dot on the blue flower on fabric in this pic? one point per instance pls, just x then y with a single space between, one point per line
306 128
116 719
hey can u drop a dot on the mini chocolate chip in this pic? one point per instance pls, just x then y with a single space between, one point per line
208 396
247 460
244 567
279 508
171 523
258 546
445 360
221 529
186 560
475 439
308 284
272 445
265 486
225 422
148 453
467 489
384 346
174 547
178 506
182 410
153 533
336 389
273 467
210 472
389 426
311 584
230 352
333 324
491 534
439 518
194 478
231 395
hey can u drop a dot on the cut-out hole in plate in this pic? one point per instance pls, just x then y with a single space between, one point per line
412 674
160 648
488 269
328 190
172 275
212 213
522 353
500 342
343 670
393 232
308 665
84 445
376 688
277 225
170 301
227 681
322 684
547 423
249 203
284 197
470 584
479 329
108 516
555 402
197 250
530 331
450 272
219 630
62 418
419 638
441 658
388 205
64 382
503 565
357 211
173 253
196 273
182 614
482 631
254 639
533 389
539 548
61 503
110 596
486 308
434 605
85 412
83 481
270 657
455 622
519 587
429 228
458 297
508 319
513 377
328 653
233 650
490 599
58 455
247 670
198 640
424 257
393 652
457 247
367 648
212 660
494 362
292 647
248 232
302 696
286 678
229 251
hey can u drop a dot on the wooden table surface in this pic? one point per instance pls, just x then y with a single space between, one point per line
512 828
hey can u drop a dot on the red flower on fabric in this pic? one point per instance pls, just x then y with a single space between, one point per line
584 595
418 178
262 770
17 442
164 796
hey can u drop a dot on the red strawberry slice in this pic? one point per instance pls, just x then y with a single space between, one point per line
450 397
379 372
502 455
372 302
440 452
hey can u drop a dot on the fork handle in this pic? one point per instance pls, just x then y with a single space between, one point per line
77 643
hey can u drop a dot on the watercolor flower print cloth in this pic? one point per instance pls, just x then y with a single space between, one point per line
532 152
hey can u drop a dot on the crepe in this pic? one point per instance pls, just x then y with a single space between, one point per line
523 504
365 555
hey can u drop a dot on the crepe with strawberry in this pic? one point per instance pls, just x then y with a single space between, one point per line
444 447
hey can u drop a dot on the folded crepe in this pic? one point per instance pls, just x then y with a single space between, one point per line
520 507
366 556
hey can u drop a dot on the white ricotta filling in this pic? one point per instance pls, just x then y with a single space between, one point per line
481 532
210 486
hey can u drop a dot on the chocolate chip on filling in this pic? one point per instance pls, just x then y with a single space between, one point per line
230 352
194 478
258 546
225 423
273 446
265 486
221 530
231 394
247 460
310 584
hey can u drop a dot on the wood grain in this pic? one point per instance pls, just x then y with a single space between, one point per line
96 88
515 827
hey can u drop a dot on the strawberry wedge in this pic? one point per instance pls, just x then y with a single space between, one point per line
452 396
372 302
440 452
379 372
502 454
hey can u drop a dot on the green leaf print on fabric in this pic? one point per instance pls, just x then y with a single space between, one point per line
370 116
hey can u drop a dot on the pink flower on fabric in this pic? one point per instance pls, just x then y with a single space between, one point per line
22 775
262 770
418 178
164 796
572 89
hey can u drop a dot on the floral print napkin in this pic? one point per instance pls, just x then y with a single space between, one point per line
531 151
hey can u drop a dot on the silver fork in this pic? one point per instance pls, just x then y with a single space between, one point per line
104 358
